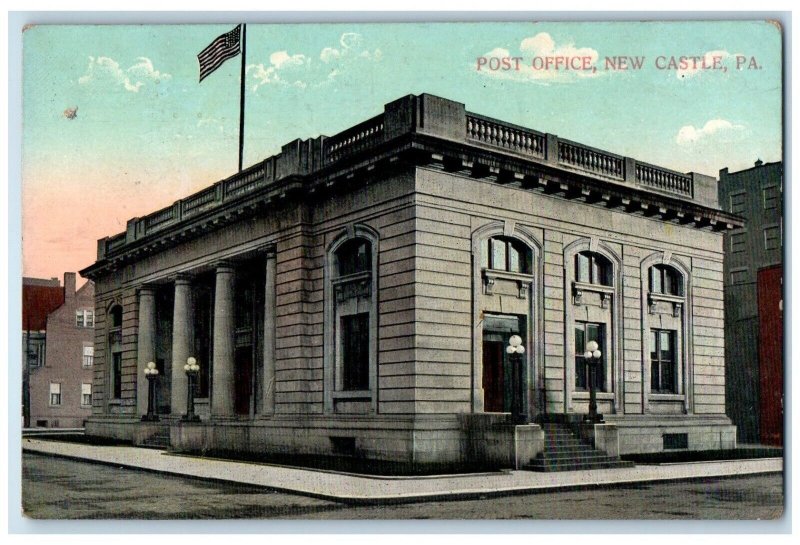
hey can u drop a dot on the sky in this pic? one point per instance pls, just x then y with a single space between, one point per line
116 125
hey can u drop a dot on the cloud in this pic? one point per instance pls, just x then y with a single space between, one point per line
689 134
131 78
542 46
695 69
303 71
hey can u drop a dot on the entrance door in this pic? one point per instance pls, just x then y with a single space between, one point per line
498 383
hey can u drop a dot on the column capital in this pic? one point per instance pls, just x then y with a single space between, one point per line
270 249
146 289
183 278
224 267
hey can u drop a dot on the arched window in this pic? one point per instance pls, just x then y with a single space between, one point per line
665 280
506 254
353 320
592 268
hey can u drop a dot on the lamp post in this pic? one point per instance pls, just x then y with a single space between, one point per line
192 369
515 350
592 356
151 373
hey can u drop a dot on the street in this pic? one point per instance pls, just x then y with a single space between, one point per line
56 488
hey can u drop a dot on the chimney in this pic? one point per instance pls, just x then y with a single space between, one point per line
759 162
69 286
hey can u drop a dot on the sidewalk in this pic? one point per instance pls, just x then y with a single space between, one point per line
352 488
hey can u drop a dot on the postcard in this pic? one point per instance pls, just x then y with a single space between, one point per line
488 270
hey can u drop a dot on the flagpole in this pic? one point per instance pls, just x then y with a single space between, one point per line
241 97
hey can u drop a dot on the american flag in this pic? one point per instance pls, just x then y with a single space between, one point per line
220 50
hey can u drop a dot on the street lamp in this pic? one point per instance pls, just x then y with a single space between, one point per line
151 373
192 369
592 356
516 350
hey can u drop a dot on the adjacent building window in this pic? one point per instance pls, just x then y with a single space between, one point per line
35 348
739 276
738 242
584 333
738 202
86 395
506 254
663 369
772 237
592 268
55 393
771 196
84 318
88 355
665 280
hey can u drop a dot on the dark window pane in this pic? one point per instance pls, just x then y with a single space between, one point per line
355 352
116 374
354 256
580 361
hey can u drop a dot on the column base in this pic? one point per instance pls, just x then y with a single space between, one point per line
193 418
150 418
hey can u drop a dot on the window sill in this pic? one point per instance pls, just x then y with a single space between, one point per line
352 394
601 396
653 396
507 275
656 297
599 288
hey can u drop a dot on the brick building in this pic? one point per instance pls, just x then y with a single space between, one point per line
61 379
355 295
753 287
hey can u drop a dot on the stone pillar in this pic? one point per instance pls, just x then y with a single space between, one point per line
146 344
223 382
182 324
268 384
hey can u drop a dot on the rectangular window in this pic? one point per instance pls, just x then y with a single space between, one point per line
738 242
739 277
663 376
772 238
586 332
84 318
355 352
88 355
86 395
116 375
771 196
738 202
55 393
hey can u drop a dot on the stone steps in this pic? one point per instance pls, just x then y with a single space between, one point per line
563 451
159 440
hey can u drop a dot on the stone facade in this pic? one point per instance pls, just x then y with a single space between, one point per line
60 390
353 295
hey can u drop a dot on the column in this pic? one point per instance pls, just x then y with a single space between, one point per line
146 344
223 381
268 384
181 343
